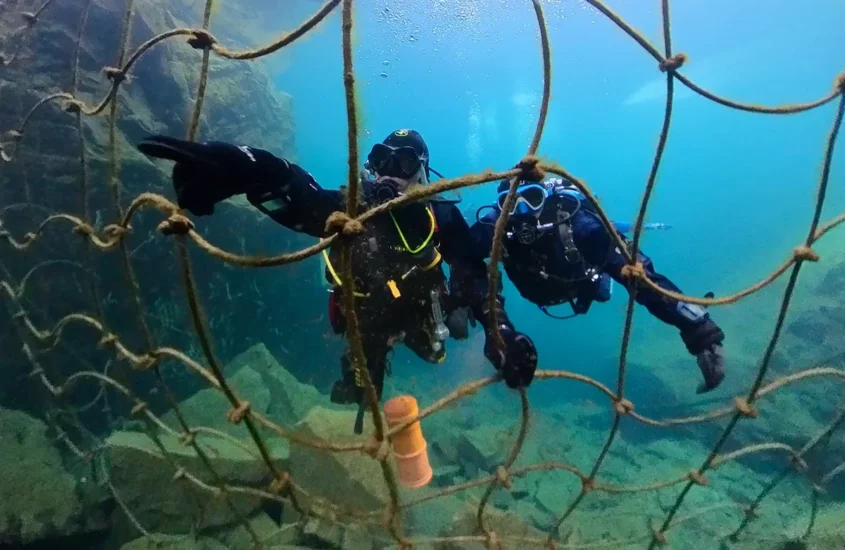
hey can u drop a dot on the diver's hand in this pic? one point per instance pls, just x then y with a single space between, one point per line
704 340
458 321
207 173
519 360
712 364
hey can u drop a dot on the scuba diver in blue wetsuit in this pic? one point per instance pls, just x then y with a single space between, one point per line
557 251
397 258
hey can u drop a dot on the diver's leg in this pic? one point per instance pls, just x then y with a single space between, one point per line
350 388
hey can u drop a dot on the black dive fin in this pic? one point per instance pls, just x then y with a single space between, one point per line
359 420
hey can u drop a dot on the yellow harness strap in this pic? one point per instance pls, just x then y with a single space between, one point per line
394 290
335 276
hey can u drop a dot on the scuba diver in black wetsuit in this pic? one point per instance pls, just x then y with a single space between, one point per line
397 259
558 251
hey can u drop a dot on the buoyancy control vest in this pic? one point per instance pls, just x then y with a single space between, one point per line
545 265
395 261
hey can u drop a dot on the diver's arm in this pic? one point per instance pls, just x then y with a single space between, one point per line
698 331
292 197
468 272
207 173
466 253
482 234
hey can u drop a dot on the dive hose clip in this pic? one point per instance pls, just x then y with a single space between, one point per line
441 331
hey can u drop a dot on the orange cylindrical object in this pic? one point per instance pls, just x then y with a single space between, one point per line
409 446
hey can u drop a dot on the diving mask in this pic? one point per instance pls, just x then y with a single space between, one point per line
529 199
397 162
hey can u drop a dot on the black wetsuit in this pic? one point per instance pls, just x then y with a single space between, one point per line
396 260
395 266
548 268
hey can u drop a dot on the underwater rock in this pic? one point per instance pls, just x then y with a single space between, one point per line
556 491
242 105
833 281
267 530
40 499
317 533
503 524
348 479
144 480
209 407
485 448
445 476
812 328
290 400
171 542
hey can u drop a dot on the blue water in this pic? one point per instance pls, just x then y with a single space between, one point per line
737 188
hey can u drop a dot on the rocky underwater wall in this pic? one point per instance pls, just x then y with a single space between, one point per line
241 106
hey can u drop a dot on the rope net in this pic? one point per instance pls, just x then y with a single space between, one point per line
140 353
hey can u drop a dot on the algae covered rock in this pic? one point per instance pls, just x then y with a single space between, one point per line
170 542
257 377
145 482
210 407
484 448
39 498
268 531
348 479
511 531
290 399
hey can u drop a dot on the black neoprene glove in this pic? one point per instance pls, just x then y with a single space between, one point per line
518 362
207 173
704 340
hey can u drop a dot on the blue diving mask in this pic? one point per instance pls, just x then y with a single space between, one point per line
529 199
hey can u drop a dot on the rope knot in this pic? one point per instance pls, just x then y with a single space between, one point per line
237 414
839 83
673 63
176 224
798 463
72 106
342 223
280 483
659 536
698 478
114 74
187 438
588 484
36 372
83 229
378 449
18 315
201 40
745 408
504 478
804 253
180 474
635 271
107 340
29 17
146 362
530 167
623 406
139 407
15 135
115 232
492 540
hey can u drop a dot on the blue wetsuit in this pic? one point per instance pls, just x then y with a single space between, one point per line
546 273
